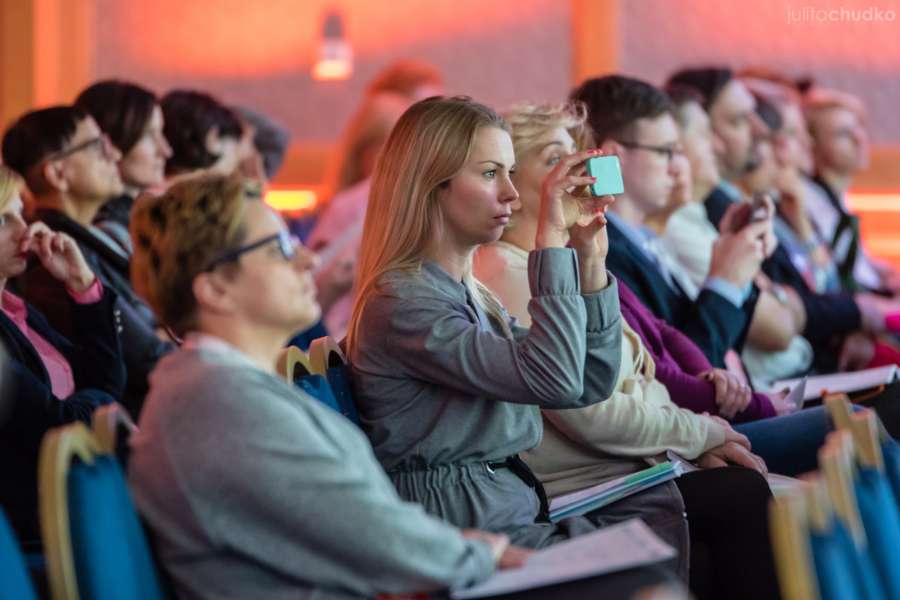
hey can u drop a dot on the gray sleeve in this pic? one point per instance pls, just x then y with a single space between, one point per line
312 503
604 341
437 341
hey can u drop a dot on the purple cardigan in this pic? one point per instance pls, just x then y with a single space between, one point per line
679 361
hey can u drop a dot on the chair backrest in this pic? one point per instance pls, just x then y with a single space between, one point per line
93 538
327 358
16 584
840 410
837 467
112 426
325 353
791 548
292 363
877 503
833 552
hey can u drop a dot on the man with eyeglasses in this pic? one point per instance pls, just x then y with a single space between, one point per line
633 120
837 323
70 167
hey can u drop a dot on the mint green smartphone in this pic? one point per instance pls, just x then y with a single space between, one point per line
608 173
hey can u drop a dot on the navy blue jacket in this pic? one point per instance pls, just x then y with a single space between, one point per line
828 316
28 408
141 347
712 322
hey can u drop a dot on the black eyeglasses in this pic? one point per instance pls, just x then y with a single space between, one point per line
101 143
287 245
668 151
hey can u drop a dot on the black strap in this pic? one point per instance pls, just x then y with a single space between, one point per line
524 472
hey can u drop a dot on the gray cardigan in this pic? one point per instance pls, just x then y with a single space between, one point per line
255 490
441 391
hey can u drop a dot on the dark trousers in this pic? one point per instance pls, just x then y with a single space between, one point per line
731 553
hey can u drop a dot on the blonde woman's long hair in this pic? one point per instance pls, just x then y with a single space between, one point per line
429 145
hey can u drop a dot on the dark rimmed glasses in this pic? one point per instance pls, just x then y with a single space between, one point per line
668 151
287 245
101 143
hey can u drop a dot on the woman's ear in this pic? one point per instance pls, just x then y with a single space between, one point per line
211 294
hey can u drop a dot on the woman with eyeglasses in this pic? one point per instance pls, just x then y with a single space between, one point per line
252 488
49 379
70 166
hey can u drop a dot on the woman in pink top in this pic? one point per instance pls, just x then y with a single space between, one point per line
48 380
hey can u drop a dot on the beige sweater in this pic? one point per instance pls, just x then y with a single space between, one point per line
586 446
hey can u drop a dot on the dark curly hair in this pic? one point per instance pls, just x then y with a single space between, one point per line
189 117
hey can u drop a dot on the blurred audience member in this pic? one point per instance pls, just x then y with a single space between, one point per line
832 317
270 140
204 134
49 380
132 118
774 349
71 168
841 150
337 232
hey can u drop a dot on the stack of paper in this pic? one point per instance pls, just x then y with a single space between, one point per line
579 503
837 383
779 484
615 548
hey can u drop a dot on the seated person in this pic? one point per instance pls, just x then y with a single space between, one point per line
837 124
48 380
831 318
586 446
446 388
71 169
775 348
788 444
298 506
132 118
204 135
633 120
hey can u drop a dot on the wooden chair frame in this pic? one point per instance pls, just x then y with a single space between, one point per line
57 451
325 353
289 360
105 424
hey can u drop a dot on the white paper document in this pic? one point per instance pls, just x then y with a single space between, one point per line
615 548
841 382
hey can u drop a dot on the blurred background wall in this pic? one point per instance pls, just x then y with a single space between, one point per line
260 54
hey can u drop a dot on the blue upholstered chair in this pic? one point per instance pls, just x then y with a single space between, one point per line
95 545
15 583
836 463
326 358
877 502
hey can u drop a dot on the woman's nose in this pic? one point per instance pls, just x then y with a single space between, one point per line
509 193
163 147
